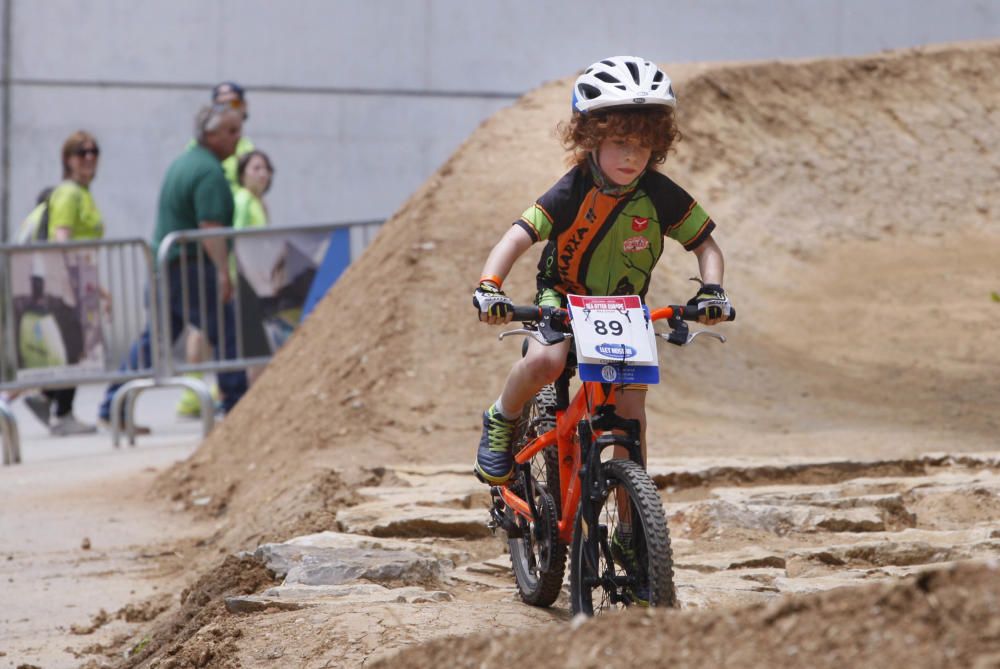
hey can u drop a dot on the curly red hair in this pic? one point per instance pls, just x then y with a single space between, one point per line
655 127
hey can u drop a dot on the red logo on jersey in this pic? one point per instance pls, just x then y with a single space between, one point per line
633 244
639 223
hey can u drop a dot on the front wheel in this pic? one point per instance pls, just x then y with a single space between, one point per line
621 555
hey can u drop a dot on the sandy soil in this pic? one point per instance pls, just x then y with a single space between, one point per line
856 204
86 556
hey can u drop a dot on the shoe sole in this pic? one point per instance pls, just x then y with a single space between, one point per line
140 430
491 480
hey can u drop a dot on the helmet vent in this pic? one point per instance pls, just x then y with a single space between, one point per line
589 92
634 71
658 77
607 77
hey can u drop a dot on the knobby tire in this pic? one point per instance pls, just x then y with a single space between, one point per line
651 539
536 585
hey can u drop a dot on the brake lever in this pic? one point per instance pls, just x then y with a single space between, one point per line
707 333
680 335
537 336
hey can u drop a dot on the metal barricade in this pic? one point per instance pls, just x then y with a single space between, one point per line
189 296
121 272
67 312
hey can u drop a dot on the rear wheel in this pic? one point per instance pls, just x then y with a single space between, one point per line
541 418
537 556
622 557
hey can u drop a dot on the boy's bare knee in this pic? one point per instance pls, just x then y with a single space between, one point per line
543 368
544 365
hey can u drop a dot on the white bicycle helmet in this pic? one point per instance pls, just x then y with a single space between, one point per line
622 81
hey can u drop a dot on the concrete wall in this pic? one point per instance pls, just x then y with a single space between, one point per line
359 101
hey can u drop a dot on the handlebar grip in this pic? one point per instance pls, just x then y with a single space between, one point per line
527 313
690 313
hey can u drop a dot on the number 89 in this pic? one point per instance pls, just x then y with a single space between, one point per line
602 329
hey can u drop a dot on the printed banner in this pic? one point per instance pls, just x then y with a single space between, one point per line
60 312
274 278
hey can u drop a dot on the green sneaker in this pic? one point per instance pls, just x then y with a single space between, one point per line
624 555
494 461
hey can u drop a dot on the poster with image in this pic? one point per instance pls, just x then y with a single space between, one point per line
274 277
58 317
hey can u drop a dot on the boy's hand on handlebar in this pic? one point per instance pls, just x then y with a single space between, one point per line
712 303
494 307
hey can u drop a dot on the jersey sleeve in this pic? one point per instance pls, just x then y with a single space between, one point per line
552 211
681 217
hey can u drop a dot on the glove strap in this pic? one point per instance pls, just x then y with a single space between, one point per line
492 278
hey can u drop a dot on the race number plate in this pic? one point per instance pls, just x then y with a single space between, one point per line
614 338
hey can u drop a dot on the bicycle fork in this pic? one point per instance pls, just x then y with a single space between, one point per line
595 489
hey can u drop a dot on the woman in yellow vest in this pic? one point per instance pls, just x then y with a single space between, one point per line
254 172
73 215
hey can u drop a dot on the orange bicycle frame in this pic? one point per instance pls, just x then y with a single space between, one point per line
565 437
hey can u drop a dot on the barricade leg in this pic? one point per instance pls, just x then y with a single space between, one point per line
119 398
124 399
11 439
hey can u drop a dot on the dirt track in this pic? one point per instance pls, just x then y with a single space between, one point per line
857 207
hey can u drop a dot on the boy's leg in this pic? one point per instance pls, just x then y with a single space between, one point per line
539 366
630 402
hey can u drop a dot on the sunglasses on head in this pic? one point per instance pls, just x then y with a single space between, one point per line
235 103
84 151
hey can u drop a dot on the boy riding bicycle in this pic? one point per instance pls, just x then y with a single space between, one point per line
604 223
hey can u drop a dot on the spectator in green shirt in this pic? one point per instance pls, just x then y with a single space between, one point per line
254 172
197 349
195 195
72 215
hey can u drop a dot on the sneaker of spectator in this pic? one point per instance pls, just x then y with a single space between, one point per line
140 430
68 425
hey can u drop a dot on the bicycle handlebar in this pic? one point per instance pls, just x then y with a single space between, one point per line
533 313
550 325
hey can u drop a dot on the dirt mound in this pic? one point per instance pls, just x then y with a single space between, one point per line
939 619
194 635
852 198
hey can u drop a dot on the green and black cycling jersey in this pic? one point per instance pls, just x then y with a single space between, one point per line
606 242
